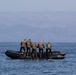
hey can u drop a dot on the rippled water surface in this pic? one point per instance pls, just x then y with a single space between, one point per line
65 66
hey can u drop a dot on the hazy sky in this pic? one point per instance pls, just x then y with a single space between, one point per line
37 5
56 23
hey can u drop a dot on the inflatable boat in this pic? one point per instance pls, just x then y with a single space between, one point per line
21 55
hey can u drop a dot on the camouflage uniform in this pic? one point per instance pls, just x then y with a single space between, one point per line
34 46
28 45
23 45
41 46
48 47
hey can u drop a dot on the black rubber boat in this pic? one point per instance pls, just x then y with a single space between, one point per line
20 55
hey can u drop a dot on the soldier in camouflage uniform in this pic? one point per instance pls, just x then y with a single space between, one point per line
41 49
48 49
41 46
34 51
28 46
23 45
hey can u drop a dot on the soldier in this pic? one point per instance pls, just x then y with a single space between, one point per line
41 50
48 49
23 45
28 46
34 52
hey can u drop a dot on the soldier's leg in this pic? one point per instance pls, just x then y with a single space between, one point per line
39 52
42 50
24 49
46 52
32 55
27 51
42 55
30 51
20 49
50 50
35 53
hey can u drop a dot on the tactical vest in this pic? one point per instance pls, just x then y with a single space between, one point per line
40 45
33 46
23 44
28 44
48 46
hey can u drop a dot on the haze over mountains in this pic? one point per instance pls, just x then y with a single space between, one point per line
46 26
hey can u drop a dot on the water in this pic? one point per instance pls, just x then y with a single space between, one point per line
65 66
